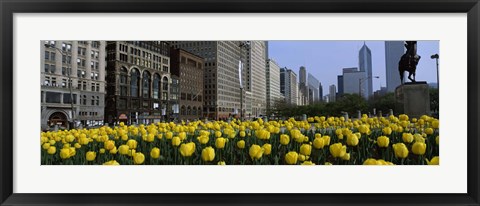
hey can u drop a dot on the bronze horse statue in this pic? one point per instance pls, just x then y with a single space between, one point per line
408 61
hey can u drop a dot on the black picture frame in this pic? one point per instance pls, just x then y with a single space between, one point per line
10 7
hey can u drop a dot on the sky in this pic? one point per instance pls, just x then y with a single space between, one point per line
326 59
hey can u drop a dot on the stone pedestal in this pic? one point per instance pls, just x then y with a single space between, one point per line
413 99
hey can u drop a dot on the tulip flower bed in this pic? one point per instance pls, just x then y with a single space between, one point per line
315 141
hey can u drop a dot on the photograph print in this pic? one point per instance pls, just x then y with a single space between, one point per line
240 102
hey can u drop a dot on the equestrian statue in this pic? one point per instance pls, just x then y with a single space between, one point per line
408 61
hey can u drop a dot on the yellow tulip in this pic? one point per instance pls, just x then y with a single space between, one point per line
267 149
352 140
242 133
241 144
338 150
291 158
434 161
419 138
203 139
220 142
221 163
218 134
370 161
155 153
346 157
326 140
187 149
308 163
169 135
109 145
400 150
284 139
383 141
429 131
435 124
176 141
255 152
138 158
52 150
364 129
306 149
111 162
407 137
150 138
318 143
90 156
45 146
123 149
208 154
132 144
102 151
387 130
182 135
437 140
419 148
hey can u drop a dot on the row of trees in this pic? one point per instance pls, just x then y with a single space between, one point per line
350 103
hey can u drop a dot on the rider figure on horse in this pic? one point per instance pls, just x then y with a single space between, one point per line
408 61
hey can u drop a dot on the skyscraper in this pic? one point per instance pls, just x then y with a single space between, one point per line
221 80
288 85
320 91
302 86
393 52
340 84
365 65
273 84
352 80
256 84
332 93
313 84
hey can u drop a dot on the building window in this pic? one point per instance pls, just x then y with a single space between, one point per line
134 83
66 59
82 51
81 74
165 84
156 86
93 100
95 44
97 102
67 99
53 97
146 85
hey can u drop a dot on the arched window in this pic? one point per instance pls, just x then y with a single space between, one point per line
194 111
182 110
156 86
134 82
189 110
146 84
165 84
199 111
123 83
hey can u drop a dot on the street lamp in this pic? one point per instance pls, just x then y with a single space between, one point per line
360 83
435 56
69 83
